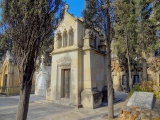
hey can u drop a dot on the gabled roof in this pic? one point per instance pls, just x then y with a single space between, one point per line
68 18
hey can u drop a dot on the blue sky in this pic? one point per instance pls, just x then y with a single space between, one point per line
75 7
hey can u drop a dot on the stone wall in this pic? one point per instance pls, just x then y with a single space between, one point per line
137 113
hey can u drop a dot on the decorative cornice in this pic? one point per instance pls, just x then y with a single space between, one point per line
65 49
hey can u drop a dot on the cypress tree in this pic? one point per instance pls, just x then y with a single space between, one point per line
29 23
98 15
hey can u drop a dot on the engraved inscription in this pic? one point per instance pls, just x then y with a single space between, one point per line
64 62
140 98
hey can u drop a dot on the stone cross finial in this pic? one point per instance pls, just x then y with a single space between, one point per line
42 58
66 8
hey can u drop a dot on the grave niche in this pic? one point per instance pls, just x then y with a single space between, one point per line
136 79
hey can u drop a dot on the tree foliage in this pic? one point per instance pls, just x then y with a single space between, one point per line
29 23
46 49
156 9
147 27
98 15
125 28
4 45
135 27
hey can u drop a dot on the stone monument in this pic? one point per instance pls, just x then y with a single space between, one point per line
41 79
141 99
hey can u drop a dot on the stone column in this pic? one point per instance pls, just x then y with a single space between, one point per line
89 97
57 41
68 40
62 40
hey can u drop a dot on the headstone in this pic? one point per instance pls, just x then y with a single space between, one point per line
141 99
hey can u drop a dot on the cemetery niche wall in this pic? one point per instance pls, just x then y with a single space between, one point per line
119 76
9 81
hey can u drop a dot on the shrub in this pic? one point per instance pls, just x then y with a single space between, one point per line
157 94
139 88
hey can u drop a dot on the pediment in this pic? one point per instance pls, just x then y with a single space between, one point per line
68 20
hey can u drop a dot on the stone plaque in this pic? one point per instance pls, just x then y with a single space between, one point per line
141 99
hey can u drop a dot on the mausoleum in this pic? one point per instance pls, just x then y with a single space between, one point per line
78 64
9 80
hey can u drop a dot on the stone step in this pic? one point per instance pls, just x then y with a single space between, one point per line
41 101
64 103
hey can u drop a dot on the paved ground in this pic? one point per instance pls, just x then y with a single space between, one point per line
40 109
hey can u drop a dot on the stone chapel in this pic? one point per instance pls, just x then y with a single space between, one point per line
9 76
78 64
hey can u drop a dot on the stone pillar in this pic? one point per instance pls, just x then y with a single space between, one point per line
140 76
62 40
56 42
68 43
89 98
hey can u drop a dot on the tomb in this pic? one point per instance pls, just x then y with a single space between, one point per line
78 64
9 80
42 78
141 99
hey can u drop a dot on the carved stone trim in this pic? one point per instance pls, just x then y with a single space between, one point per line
88 97
64 62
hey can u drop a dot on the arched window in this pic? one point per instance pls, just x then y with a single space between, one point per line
71 37
65 38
